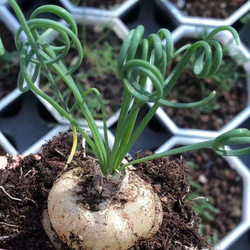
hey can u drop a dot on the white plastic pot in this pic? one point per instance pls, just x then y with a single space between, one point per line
179 17
242 170
189 31
116 11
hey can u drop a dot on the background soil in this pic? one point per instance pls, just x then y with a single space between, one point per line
212 8
223 188
104 4
189 90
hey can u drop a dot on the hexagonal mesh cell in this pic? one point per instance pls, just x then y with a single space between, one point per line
25 125
229 83
226 110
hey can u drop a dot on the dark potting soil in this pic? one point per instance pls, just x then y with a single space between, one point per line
97 70
8 71
104 4
213 8
26 190
219 111
222 186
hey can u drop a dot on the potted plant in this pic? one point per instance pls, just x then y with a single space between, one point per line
209 172
99 9
226 111
28 232
122 198
100 44
204 13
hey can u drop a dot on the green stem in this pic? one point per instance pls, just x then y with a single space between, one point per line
175 151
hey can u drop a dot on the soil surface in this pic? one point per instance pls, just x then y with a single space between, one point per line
218 112
8 71
222 186
212 8
97 70
24 194
104 4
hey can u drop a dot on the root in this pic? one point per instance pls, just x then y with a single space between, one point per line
9 225
11 197
5 237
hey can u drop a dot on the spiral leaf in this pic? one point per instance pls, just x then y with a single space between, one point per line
141 59
234 137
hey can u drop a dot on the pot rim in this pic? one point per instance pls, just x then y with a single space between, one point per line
180 18
99 13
